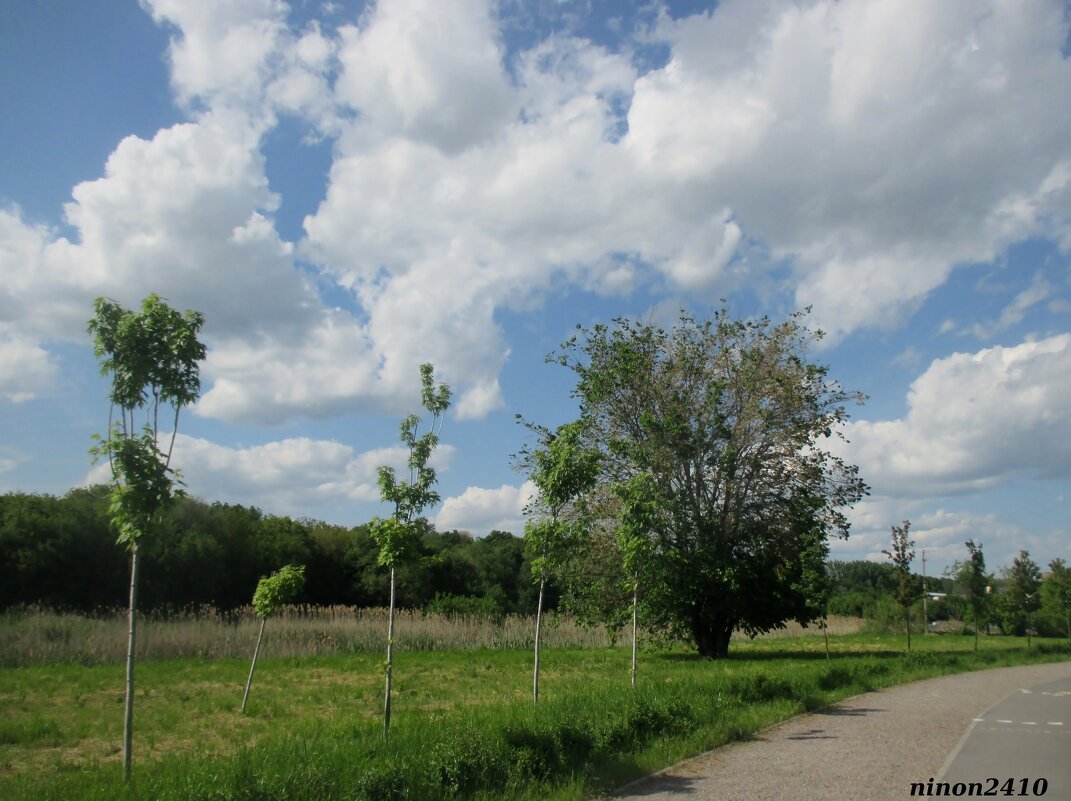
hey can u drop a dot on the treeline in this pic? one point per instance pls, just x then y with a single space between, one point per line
868 589
61 552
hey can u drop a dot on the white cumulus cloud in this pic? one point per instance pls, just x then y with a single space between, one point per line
973 420
481 510
291 476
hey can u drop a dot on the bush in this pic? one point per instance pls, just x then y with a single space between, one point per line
463 606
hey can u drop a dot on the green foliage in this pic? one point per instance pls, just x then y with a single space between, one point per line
563 470
143 481
411 497
641 505
152 360
464 606
151 356
1024 589
394 539
281 587
1056 593
908 586
975 584
728 419
61 553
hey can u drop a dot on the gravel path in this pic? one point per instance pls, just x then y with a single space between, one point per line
871 746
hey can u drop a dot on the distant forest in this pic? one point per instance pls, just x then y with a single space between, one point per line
60 552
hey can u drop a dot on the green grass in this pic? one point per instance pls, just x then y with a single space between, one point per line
465 726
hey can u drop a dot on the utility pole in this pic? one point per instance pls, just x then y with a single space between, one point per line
925 597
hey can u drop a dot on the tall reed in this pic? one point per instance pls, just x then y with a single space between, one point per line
35 636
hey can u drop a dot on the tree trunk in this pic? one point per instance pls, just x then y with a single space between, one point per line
539 623
712 637
131 643
635 606
825 631
256 650
907 627
390 657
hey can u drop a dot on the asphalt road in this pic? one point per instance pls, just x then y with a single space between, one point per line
874 746
1025 737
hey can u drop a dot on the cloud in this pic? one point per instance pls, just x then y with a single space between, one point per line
973 421
941 533
291 476
1012 314
10 458
242 55
480 511
877 145
430 70
26 369
871 147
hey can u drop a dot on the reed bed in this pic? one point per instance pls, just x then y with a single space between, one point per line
38 637
837 625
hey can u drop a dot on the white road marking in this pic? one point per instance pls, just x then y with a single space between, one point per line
1004 721
1029 723
1055 723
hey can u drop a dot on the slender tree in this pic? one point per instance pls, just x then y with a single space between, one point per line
976 583
562 470
152 359
273 591
397 534
639 511
1024 590
908 589
1057 590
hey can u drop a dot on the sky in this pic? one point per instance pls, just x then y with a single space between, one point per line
349 189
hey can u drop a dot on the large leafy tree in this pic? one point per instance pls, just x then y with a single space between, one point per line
399 535
152 358
731 421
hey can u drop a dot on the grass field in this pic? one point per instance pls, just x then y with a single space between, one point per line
465 726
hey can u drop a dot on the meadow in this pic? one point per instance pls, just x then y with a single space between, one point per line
464 724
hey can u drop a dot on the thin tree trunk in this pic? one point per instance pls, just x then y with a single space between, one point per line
825 631
539 623
128 717
907 626
635 607
249 681
390 657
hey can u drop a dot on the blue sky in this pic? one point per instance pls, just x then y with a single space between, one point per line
347 190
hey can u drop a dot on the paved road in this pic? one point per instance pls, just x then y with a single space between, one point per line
1025 737
872 746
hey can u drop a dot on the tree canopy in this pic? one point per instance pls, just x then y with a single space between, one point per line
730 421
